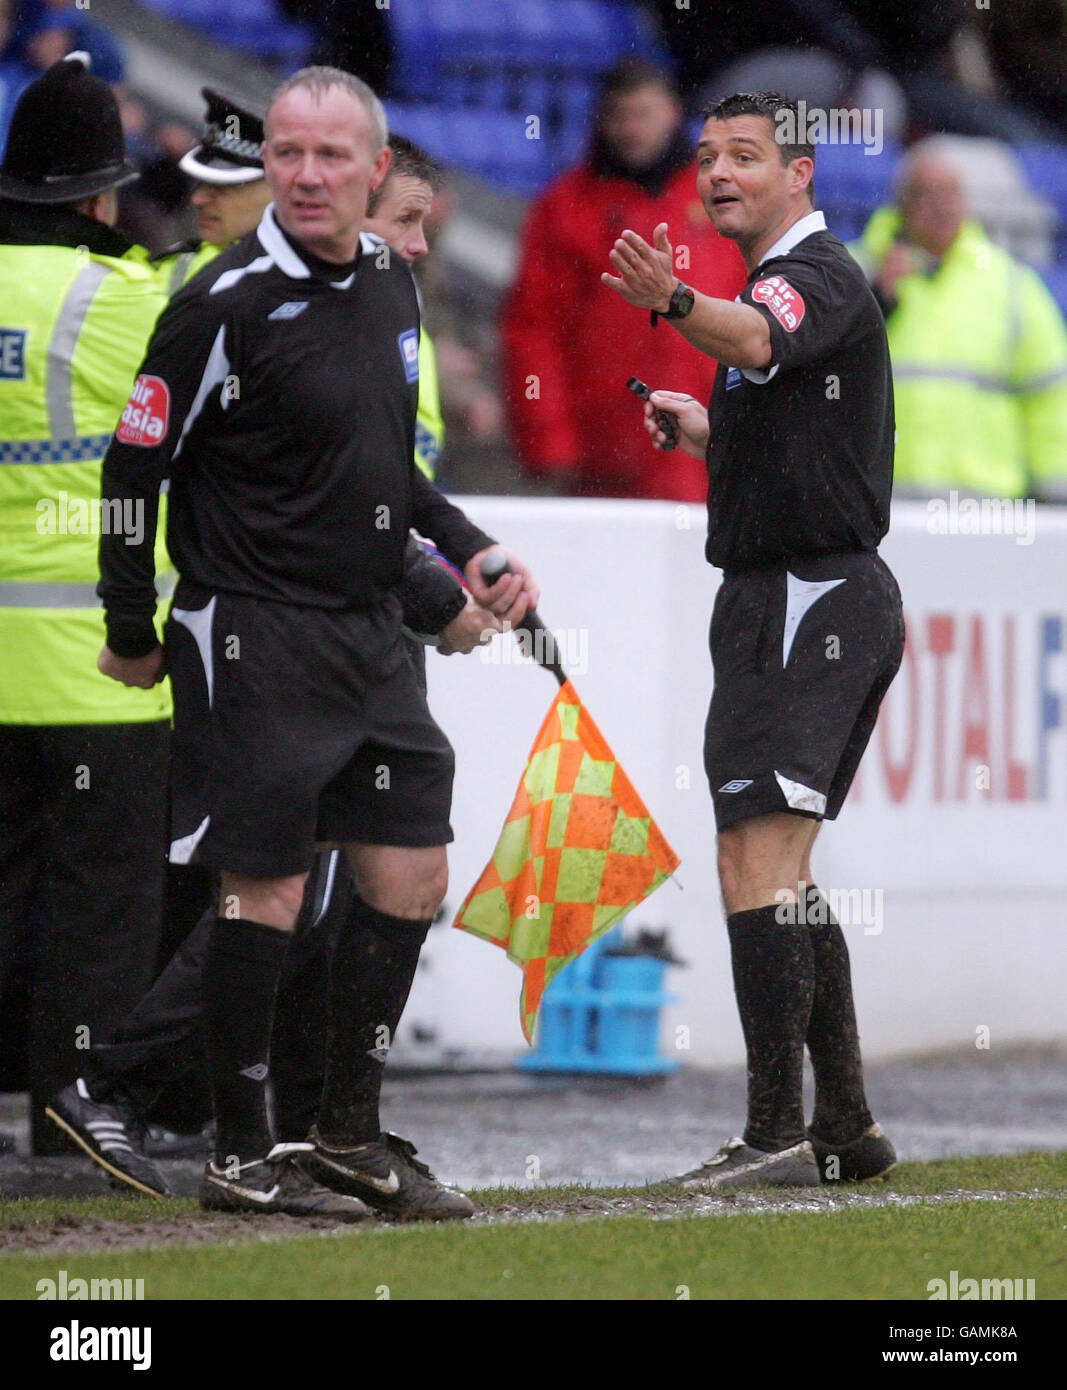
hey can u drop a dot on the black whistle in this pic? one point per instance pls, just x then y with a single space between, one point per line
667 423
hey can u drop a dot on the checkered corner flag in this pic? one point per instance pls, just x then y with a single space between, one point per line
578 851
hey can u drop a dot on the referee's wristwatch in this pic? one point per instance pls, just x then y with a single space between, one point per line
680 306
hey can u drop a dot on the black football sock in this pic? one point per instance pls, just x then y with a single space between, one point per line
841 1112
241 972
371 973
774 979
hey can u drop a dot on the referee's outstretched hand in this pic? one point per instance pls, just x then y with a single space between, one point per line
646 273
512 596
690 415
142 671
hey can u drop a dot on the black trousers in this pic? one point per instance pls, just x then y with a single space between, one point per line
82 836
155 1059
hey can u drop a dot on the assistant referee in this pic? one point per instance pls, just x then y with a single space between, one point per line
807 631
279 393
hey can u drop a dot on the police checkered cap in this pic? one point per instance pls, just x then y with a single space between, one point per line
231 150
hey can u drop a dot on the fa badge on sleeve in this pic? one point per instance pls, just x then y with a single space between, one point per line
408 342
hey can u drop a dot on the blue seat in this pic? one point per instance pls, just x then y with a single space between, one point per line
1046 168
1055 277
845 175
489 144
442 38
251 26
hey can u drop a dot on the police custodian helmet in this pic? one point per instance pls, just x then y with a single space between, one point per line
66 141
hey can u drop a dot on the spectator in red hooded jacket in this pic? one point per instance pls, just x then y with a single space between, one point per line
569 343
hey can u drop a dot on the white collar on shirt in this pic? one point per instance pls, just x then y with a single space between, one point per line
814 222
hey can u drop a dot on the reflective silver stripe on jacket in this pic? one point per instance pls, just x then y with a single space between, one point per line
14 593
179 271
17 593
59 383
903 372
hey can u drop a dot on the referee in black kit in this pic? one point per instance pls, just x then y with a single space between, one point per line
807 631
279 394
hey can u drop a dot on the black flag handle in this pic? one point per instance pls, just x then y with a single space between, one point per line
539 642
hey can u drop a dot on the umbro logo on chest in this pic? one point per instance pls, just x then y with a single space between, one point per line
289 310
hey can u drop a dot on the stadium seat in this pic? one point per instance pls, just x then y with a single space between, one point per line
439 38
1046 168
848 178
250 26
492 145
1055 277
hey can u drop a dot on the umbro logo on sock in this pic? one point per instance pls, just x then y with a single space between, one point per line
257 1072
380 1054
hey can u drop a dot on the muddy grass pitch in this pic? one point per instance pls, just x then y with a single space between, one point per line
990 1217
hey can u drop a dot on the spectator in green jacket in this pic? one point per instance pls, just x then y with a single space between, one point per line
978 344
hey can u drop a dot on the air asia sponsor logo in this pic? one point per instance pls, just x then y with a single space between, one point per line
146 418
782 299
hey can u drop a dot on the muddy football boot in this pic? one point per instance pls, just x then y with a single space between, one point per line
869 1156
386 1174
275 1184
110 1135
738 1165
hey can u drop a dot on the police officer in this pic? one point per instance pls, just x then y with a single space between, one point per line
279 391
82 760
230 192
807 631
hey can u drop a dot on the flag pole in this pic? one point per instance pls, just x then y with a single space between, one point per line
543 646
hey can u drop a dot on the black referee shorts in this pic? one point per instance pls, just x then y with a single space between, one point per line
803 654
297 726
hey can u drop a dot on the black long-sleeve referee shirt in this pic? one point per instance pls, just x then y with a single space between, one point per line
280 401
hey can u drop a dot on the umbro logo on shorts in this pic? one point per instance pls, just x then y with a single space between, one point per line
289 310
258 1072
380 1054
737 785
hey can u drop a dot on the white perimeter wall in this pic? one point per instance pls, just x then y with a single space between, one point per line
965 923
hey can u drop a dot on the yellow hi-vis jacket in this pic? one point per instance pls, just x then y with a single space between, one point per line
179 267
979 354
74 325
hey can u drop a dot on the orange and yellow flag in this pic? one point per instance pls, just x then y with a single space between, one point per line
578 850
